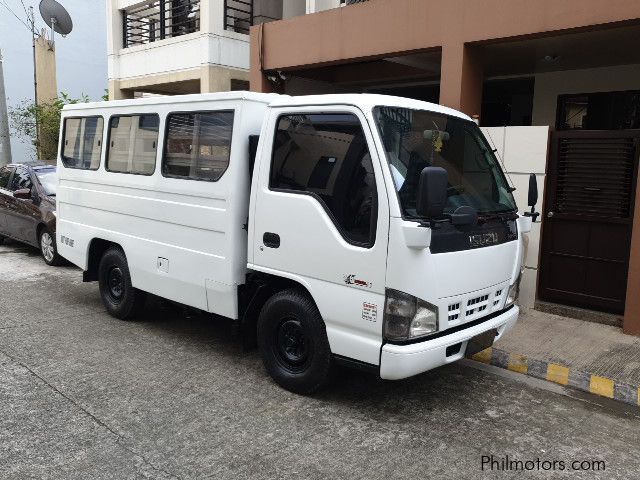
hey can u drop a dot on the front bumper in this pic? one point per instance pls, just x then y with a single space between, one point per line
402 361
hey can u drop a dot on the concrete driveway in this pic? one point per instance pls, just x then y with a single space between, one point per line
85 396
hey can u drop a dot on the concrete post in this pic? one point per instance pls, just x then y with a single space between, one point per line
631 323
47 83
461 78
5 139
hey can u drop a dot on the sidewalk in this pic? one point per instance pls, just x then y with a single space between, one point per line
589 356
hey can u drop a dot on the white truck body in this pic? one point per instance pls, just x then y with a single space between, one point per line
200 242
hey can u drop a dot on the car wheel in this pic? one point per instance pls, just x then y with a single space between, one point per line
1 239
293 342
48 248
120 298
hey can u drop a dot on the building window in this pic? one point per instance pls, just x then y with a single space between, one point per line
82 142
238 15
599 111
133 141
160 19
198 145
326 156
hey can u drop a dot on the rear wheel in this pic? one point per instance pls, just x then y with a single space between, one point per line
293 342
48 248
120 298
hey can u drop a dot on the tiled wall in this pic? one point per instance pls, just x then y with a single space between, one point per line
524 151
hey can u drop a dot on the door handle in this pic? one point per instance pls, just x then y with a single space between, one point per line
550 214
271 240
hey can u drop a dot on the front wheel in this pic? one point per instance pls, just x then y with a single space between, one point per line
121 299
293 342
48 248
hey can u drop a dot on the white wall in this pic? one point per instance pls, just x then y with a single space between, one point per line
524 151
605 79
212 45
320 5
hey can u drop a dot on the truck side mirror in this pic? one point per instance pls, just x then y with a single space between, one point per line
432 192
533 197
533 190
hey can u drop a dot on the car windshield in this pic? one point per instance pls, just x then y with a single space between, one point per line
415 139
48 178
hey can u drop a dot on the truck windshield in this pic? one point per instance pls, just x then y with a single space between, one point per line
415 139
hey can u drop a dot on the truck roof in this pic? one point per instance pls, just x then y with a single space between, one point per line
266 98
364 101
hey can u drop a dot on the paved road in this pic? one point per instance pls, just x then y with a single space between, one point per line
86 396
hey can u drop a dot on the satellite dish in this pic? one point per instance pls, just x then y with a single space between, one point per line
56 16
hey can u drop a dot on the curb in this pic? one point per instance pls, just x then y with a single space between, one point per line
561 375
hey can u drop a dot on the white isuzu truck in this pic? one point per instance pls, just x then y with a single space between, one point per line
365 229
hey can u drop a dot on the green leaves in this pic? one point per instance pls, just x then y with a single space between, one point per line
26 115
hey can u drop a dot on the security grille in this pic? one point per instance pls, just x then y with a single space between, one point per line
595 176
238 15
160 19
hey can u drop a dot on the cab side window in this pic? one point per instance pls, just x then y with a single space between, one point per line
5 175
21 180
326 156
133 142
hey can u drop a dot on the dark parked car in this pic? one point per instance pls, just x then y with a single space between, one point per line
28 207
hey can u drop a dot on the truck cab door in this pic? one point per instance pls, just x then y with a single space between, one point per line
320 217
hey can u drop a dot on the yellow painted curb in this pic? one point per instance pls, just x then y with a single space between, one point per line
518 363
601 386
557 374
484 356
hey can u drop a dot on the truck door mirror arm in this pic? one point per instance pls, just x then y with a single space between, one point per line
533 198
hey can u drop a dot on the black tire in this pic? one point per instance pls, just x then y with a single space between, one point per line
49 248
292 339
120 298
1 239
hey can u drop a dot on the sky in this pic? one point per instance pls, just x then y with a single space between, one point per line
81 56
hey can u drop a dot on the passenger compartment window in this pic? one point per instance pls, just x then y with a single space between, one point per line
133 143
198 145
82 142
326 155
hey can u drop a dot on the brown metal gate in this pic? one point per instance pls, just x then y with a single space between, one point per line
588 217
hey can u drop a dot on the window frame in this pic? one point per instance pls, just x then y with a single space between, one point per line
166 143
373 229
64 133
12 170
21 169
106 153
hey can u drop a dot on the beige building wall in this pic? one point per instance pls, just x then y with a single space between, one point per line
605 79
524 151
47 84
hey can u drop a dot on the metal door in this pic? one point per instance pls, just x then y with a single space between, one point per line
588 218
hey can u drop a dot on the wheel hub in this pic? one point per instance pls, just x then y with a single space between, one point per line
291 342
115 282
46 244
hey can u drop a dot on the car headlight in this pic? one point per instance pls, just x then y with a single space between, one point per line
514 291
407 317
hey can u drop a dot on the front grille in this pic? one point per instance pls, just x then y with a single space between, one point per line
454 312
475 306
468 308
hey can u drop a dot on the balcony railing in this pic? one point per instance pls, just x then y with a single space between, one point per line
160 19
238 15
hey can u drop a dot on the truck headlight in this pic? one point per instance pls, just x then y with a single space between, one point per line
407 317
514 291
